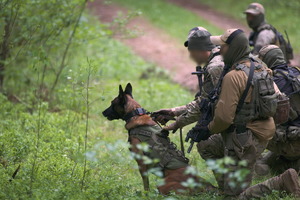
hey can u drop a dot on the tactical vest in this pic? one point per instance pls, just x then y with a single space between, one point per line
161 147
253 35
263 102
279 40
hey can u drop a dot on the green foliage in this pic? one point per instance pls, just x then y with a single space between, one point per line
57 152
51 133
38 34
59 155
283 15
222 166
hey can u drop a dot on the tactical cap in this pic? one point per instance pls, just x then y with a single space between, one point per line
198 39
226 38
264 50
255 9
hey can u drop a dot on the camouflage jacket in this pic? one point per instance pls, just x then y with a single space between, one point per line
190 113
264 35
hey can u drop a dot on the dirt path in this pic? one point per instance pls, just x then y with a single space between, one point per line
214 17
154 45
218 19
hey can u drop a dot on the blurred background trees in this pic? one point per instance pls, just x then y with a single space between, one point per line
36 33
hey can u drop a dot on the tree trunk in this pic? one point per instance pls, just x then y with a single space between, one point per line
4 51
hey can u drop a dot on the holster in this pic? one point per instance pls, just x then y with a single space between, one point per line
283 110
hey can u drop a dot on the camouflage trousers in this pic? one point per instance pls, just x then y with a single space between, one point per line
243 146
275 163
283 152
287 182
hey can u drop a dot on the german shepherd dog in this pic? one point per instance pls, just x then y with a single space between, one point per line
121 108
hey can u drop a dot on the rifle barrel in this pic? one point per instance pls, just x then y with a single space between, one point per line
191 146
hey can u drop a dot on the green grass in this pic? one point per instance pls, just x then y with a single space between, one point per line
283 15
112 173
174 20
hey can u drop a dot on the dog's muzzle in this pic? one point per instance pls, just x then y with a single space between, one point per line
110 113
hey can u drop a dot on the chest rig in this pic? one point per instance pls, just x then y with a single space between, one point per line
263 102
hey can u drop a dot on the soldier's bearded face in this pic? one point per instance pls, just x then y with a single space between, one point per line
198 56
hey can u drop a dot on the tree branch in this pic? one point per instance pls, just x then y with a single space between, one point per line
62 64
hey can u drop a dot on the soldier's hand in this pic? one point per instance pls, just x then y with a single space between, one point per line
163 115
168 112
172 127
199 133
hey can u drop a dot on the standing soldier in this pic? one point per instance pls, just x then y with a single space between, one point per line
202 51
246 88
284 147
263 33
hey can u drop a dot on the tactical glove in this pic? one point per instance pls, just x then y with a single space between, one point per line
199 133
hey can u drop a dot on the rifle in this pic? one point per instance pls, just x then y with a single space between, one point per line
289 46
199 72
206 108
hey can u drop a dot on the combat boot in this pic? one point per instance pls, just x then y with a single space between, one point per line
287 181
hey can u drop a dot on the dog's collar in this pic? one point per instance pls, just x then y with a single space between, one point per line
136 112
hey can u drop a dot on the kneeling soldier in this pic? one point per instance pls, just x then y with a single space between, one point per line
202 51
284 147
246 102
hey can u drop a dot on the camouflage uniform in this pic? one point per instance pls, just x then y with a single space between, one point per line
263 33
198 39
240 138
284 147
283 154
190 113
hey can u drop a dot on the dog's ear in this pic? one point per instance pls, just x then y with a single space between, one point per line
128 89
121 96
121 92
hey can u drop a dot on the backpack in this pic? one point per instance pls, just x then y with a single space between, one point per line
284 45
291 87
292 75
